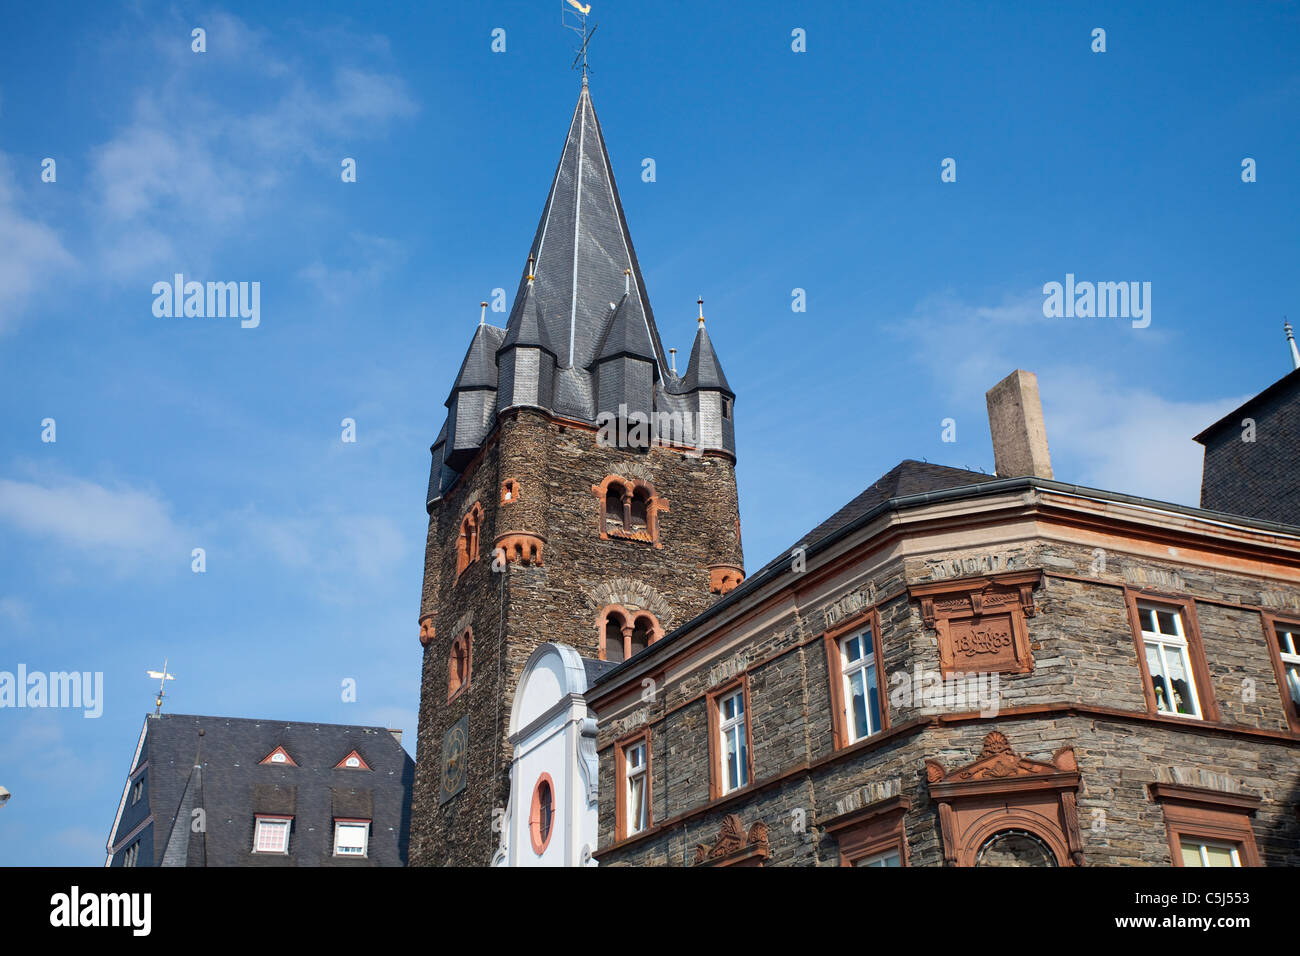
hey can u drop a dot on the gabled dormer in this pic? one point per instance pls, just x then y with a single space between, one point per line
472 405
527 358
279 757
625 374
353 761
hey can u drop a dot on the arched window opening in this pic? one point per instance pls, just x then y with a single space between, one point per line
639 515
643 634
458 665
614 507
613 638
1015 848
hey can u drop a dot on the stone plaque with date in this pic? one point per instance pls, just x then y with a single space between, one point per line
981 622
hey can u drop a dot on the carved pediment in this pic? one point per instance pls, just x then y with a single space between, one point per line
734 845
998 761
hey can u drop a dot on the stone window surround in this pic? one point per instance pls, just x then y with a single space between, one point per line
628 626
620 777
467 542
654 505
869 617
1271 623
871 830
509 491
1203 814
713 700
456 683
539 841
1186 606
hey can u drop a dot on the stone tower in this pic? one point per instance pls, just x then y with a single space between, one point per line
581 491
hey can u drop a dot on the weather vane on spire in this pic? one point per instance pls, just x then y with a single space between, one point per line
162 677
574 17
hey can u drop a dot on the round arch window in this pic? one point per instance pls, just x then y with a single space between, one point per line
541 819
1015 848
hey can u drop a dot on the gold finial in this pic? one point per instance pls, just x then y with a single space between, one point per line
531 263
627 280
700 302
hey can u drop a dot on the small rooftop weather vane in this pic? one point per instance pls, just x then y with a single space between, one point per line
161 676
574 17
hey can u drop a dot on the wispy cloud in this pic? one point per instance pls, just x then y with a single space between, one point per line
341 556
1102 430
93 518
32 255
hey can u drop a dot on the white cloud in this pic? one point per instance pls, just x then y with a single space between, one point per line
31 254
342 556
91 517
205 168
1102 430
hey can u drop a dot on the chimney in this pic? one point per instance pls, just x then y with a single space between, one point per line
1016 424
397 735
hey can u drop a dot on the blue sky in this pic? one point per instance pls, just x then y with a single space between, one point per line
775 170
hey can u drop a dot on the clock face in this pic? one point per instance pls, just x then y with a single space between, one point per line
455 753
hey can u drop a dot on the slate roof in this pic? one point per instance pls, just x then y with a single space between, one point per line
1289 382
908 477
586 304
704 370
221 774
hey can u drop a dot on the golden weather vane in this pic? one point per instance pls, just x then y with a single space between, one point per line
162 677
574 17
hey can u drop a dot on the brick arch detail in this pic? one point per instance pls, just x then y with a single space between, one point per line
628 622
457 682
655 505
467 541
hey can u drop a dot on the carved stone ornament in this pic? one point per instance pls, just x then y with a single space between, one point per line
426 632
980 622
1002 791
733 846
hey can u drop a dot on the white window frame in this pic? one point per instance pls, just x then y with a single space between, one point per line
881 858
271 822
636 773
1202 845
848 670
733 726
1290 657
1163 644
340 825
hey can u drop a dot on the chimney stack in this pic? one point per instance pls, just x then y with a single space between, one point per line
1016 424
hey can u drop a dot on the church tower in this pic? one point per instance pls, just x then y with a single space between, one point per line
581 492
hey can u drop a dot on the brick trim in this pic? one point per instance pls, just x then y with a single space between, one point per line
620 783
1204 814
715 737
539 842
869 617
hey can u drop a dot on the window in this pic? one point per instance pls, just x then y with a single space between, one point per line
467 542
541 818
137 790
1168 662
351 837
632 814
132 855
353 761
1284 645
509 491
629 509
280 757
272 835
727 714
726 408
623 633
1207 827
853 659
1203 853
871 835
1015 848
861 685
459 664
888 858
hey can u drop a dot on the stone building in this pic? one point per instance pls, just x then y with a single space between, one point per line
965 669
581 491
230 791
954 668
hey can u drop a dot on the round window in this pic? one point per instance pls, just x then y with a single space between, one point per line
1015 848
541 819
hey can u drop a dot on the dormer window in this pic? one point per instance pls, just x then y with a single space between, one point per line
279 757
352 761
351 837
